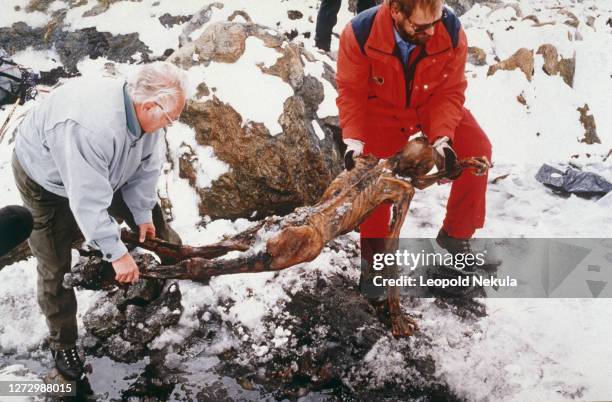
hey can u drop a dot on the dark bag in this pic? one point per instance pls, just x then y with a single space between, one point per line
573 181
16 82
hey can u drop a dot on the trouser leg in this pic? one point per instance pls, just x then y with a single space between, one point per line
326 20
363 5
119 210
466 207
54 231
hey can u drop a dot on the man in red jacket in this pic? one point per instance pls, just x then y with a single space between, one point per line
400 71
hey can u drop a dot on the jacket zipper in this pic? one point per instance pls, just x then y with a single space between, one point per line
410 69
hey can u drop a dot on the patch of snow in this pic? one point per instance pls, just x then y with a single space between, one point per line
254 95
318 130
10 15
37 60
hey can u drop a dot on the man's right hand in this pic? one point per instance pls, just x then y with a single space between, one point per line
126 269
354 148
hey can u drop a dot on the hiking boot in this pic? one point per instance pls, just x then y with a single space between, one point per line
68 363
463 246
452 244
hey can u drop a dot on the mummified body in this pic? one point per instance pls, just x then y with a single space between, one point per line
300 236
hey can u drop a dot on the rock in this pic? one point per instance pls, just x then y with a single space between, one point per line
477 56
591 21
522 59
93 273
19 253
567 68
588 122
270 173
199 18
294 14
169 21
553 65
83 390
146 322
573 20
38 5
123 323
460 6
52 77
551 59
533 18
240 13
73 46
100 7
329 332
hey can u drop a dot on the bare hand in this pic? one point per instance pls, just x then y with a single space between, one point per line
146 231
126 269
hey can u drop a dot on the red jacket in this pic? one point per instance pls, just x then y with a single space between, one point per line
376 92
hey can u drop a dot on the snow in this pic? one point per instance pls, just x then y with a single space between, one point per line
256 96
143 18
17 302
34 19
525 349
328 106
43 60
318 130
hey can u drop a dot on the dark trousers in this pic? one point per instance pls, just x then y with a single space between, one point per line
15 227
54 232
327 18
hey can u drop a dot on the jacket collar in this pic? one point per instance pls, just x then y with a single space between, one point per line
382 37
130 115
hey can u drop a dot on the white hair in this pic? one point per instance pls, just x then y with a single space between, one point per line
160 82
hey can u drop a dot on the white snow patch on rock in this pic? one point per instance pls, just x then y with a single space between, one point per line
254 95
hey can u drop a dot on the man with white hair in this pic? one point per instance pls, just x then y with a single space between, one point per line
92 150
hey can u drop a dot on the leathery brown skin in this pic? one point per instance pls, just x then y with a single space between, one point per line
345 204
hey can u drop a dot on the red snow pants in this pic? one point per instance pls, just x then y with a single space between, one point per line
465 210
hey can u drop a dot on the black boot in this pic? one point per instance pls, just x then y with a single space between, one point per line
452 244
68 363
463 246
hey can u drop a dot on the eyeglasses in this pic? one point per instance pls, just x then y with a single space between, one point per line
419 28
170 121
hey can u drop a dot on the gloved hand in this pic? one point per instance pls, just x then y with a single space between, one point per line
353 148
443 148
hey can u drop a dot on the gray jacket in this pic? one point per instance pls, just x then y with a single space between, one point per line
84 142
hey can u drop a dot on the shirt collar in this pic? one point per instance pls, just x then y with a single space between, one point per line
399 40
130 113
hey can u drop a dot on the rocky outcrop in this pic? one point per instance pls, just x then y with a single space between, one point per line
73 46
554 65
522 59
477 56
330 332
588 122
269 173
123 321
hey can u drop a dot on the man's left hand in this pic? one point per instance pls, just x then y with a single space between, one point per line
146 231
